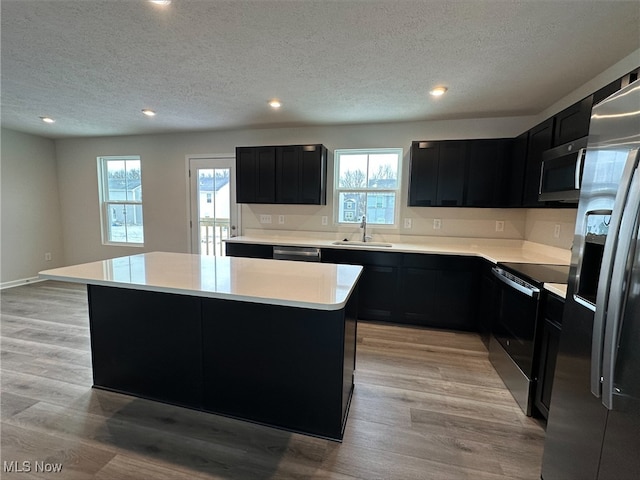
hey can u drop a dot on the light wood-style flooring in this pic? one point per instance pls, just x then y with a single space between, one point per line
427 405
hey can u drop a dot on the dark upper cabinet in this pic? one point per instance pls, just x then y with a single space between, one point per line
540 139
459 173
312 175
607 90
487 177
255 167
288 174
423 174
451 173
515 170
245 175
573 122
437 173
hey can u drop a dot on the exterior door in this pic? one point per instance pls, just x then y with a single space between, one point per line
214 212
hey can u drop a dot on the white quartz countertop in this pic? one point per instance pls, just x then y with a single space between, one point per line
493 250
319 286
560 289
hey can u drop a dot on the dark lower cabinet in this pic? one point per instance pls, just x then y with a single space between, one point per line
286 367
549 341
417 289
282 366
417 295
487 301
455 290
377 294
147 344
249 250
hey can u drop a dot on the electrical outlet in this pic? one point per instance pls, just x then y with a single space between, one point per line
265 218
437 223
499 225
556 231
281 219
47 256
407 223
325 220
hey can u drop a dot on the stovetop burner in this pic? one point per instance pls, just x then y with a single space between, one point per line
537 273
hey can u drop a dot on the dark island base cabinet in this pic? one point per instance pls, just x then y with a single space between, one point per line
147 344
286 367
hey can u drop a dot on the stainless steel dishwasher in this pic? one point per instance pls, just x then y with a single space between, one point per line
301 254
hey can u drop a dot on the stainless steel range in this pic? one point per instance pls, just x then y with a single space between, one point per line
513 345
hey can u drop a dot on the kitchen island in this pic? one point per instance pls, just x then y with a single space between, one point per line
267 341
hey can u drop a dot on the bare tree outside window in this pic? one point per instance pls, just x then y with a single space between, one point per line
367 184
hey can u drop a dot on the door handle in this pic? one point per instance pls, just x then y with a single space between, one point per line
604 281
617 295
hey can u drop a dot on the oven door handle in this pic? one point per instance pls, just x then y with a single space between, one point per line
532 292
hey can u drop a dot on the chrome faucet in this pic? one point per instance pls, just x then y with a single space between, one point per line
363 226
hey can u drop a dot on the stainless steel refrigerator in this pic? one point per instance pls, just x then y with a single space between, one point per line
593 430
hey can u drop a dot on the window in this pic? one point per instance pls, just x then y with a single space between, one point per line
120 181
367 183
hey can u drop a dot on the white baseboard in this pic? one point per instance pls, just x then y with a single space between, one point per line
22 281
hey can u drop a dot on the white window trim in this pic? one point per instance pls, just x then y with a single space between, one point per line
337 190
104 203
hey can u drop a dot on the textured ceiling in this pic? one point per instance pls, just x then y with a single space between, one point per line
204 65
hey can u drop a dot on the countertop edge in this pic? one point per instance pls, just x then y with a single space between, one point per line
177 290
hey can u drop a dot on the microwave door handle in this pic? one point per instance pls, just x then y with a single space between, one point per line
541 177
618 294
604 281
578 172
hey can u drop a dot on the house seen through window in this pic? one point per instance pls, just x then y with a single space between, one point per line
367 183
120 180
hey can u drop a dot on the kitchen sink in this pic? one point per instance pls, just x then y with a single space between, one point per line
359 243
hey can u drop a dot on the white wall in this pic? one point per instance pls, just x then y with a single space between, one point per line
165 189
30 208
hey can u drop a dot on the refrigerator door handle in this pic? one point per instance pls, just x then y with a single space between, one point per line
606 269
578 172
617 293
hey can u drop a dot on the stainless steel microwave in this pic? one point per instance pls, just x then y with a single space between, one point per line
561 172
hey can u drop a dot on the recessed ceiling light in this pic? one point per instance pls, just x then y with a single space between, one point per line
438 91
160 2
148 112
47 119
275 103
